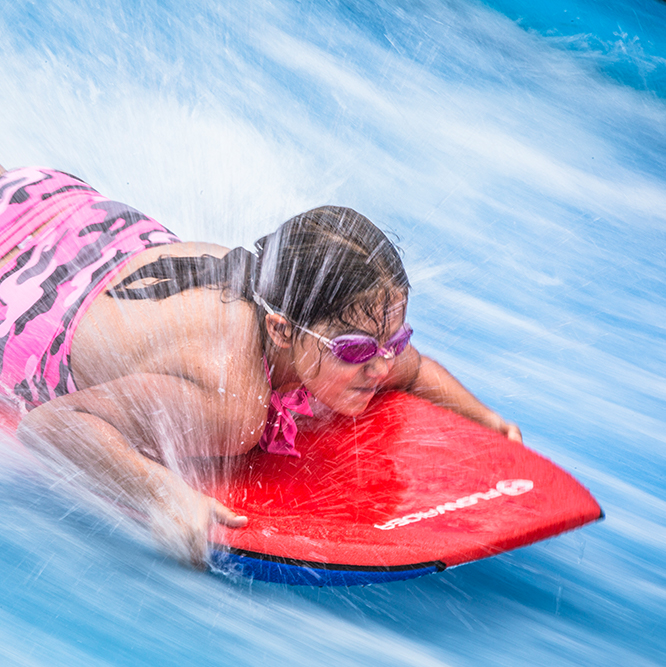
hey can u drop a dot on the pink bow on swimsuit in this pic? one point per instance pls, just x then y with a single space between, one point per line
280 421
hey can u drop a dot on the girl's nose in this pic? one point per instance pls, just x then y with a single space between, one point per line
378 367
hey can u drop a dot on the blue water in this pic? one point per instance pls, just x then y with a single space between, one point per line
518 150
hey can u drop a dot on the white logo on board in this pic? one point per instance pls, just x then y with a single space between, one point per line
507 487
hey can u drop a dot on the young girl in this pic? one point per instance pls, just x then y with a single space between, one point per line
134 352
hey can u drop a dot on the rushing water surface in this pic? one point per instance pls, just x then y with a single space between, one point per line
518 150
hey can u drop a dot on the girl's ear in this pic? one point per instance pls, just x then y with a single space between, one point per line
279 330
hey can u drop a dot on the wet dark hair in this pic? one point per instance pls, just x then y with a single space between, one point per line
329 264
326 265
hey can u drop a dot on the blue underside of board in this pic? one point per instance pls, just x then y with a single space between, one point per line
309 574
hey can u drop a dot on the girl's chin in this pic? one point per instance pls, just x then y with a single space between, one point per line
356 403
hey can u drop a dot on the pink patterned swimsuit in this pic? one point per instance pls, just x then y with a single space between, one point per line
48 286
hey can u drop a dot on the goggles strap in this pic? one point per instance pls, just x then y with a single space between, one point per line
260 302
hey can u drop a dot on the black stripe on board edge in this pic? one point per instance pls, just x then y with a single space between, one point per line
440 565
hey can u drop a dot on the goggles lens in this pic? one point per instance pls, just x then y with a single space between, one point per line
357 348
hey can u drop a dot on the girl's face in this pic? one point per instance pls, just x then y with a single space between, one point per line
343 387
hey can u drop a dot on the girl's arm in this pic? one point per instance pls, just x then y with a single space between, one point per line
426 378
100 430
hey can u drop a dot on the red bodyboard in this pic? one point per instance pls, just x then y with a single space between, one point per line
405 484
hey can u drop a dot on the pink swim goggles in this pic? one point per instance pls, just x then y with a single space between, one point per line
356 348
359 348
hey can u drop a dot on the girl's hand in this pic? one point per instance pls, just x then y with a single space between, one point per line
508 429
511 431
180 522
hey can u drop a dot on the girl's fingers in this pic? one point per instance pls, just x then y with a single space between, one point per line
513 433
227 517
182 528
